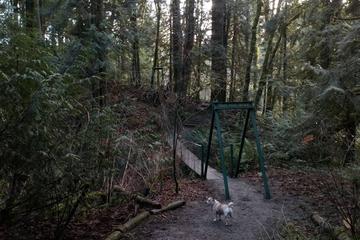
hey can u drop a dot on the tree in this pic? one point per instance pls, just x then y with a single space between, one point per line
251 50
272 27
218 53
157 40
177 58
189 43
135 62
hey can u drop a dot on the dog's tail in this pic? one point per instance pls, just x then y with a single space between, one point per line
230 204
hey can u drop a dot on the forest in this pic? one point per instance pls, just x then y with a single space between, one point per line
107 110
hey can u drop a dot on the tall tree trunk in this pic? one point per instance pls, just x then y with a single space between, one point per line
30 16
156 52
135 62
177 48
218 55
266 66
252 50
349 142
97 9
189 43
331 9
38 16
233 57
199 39
270 93
264 70
171 62
284 58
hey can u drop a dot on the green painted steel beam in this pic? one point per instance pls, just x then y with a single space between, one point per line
232 163
202 159
260 151
222 154
233 106
209 143
242 142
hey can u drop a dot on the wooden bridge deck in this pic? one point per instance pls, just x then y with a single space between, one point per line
192 161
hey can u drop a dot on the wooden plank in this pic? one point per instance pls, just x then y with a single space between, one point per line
192 161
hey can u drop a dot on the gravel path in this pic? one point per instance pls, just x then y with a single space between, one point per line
253 218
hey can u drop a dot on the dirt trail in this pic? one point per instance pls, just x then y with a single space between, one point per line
254 217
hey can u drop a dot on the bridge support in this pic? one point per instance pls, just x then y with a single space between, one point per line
215 121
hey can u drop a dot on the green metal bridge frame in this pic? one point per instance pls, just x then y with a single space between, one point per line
215 121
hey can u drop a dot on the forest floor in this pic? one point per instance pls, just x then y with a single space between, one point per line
286 216
252 218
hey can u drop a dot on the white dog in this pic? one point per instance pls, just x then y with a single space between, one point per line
220 209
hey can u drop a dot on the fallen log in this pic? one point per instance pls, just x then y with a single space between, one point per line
121 229
133 222
338 233
170 206
147 202
139 199
116 235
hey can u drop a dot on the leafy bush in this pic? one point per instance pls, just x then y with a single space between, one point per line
56 144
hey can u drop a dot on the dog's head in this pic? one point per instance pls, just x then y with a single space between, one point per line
210 200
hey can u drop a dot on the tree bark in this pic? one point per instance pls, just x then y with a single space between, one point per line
199 39
177 57
349 144
330 11
135 62
266 66
218 52
270 93
97 10
252 51
157 39
189 43
284 59
30 18
170 206
233 57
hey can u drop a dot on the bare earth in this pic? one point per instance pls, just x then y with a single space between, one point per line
253 218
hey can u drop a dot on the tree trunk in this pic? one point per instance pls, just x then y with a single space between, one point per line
252 51
266 66
30 15
233 57
199 39
135 62
218 53
177 58
330 11
284 58
38 16
171 62
270 91
97 9
189 43
349 139
156 52
265 70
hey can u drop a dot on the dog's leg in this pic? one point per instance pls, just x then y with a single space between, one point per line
215 219
227 219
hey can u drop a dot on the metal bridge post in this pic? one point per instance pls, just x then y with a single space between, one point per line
222 155
261 156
